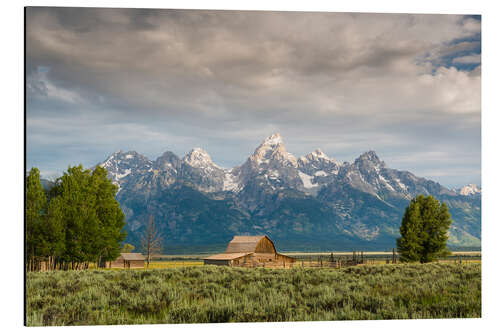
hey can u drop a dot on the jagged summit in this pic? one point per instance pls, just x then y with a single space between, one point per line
120 155
197 154
470 189
167 161
272 192
273 140
370 155
122 164
198 157
318 155
370 158
273 149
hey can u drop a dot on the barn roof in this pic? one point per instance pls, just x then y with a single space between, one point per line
132 256
227 256
241 244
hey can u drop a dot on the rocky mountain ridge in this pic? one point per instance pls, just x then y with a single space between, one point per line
274 192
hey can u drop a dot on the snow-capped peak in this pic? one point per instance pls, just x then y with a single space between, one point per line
119 156
122 164
318 155
273 140
372 159
272 148
198 158
470 189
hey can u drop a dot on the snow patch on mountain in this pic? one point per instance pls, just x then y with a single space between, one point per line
231 182
386 183
119 165
273 167
470 189
401 185
274 174
306 180
125 173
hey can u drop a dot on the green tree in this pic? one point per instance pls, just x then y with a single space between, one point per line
110 216
51 233
409 245
92 217
127 248
424 230
78 213
36 202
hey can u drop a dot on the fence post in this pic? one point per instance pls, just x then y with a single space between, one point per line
393 256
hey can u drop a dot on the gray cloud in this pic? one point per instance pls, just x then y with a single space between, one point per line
99 80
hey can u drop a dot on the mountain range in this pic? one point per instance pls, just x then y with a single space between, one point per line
308 203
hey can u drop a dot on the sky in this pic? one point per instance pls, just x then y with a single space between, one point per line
103 80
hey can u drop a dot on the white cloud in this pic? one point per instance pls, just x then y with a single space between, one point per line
469 59
336 80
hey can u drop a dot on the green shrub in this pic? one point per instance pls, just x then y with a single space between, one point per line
224 294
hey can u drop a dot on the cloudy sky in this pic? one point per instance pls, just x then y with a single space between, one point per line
103 80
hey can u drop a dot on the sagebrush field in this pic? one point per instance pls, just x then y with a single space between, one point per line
222 294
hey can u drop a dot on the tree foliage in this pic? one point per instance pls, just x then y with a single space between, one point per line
424 230
79 222
36 203
127 248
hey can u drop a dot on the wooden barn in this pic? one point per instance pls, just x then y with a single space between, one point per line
128 260
250 251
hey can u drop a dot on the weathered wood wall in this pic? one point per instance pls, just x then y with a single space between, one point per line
265 246
120 263
135 263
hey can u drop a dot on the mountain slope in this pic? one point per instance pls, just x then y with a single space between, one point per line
310 202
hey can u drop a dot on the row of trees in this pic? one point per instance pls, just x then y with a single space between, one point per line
77 222
424 230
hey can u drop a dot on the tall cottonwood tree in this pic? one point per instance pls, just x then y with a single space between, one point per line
424 230
52 234
36 203
111 217
81 223
78 212
93 218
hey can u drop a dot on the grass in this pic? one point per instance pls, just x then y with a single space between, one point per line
221 294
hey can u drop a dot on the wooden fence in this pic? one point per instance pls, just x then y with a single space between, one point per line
339 261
